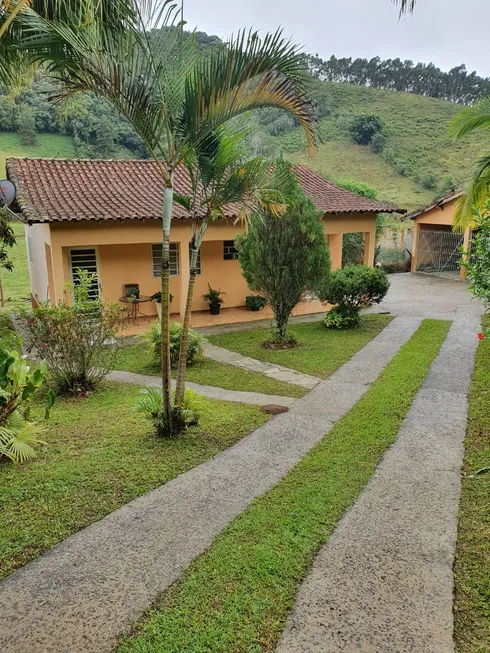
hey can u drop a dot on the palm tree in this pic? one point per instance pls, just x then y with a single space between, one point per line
221 175
478 187
173 98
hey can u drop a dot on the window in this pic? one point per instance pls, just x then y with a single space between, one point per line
156 255
85 259
198 266
230 253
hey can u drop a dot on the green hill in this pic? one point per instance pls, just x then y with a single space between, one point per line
47 145
419 158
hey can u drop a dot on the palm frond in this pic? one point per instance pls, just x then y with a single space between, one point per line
17 438
406 6
247 73
476 193
471 118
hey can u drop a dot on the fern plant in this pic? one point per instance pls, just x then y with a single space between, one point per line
150 406
18 384
175 331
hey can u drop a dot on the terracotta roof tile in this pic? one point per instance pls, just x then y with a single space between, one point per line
53 190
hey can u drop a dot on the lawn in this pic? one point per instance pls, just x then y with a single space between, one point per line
321 351
472 566
236 598
16 286
99 455
138 358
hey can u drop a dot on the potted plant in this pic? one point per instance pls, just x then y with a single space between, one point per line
255 302
157 298
213 297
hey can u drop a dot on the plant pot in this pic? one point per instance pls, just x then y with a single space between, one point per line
214 309
159 310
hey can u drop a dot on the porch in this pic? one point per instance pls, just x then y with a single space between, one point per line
239 314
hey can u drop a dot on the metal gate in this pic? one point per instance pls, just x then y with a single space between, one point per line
438 251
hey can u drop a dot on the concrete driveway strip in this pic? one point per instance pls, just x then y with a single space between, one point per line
82 594
383 583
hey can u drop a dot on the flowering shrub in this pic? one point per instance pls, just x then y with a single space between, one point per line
477 262
76 340
18 384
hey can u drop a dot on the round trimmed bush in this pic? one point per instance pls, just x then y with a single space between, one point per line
349 290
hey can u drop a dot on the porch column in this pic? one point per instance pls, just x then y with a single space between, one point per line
335 247
369 245
466 245
415 244
184 273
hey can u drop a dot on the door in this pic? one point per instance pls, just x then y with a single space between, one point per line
85 259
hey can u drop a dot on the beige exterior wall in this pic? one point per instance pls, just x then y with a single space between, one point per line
124 256
38 243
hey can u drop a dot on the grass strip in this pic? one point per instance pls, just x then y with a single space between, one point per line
472 565
236 597
99 455
320 352
139 359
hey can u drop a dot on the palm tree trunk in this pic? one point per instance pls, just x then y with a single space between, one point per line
184 341
165 320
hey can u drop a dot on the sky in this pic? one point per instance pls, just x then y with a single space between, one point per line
446 32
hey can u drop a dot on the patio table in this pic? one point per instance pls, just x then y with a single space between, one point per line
135 305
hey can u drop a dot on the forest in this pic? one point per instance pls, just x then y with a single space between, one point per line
457 85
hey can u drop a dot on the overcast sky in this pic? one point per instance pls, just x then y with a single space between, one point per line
447 32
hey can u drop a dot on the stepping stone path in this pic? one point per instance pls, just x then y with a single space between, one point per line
383 582
82 594
278 372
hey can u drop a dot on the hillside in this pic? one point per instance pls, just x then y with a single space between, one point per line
418 150
47 145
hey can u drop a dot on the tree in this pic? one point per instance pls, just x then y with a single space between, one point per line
7 241
363 128
221 174
478 187
284 256
477 262
177 99
105 146
27 126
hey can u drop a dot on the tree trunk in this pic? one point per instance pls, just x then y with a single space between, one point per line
165 320
184 342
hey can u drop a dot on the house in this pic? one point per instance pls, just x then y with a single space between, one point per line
435 247
105 216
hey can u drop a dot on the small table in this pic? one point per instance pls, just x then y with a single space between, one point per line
135 305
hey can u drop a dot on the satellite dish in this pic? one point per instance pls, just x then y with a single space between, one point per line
8 192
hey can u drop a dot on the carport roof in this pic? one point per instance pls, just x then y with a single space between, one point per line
453 195
61 190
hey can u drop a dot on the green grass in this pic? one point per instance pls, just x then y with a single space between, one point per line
417 142
320 352
16 284
99 455
54 146
472 566
236 597
138 358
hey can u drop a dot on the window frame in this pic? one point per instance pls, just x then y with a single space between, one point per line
229 255
156 256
